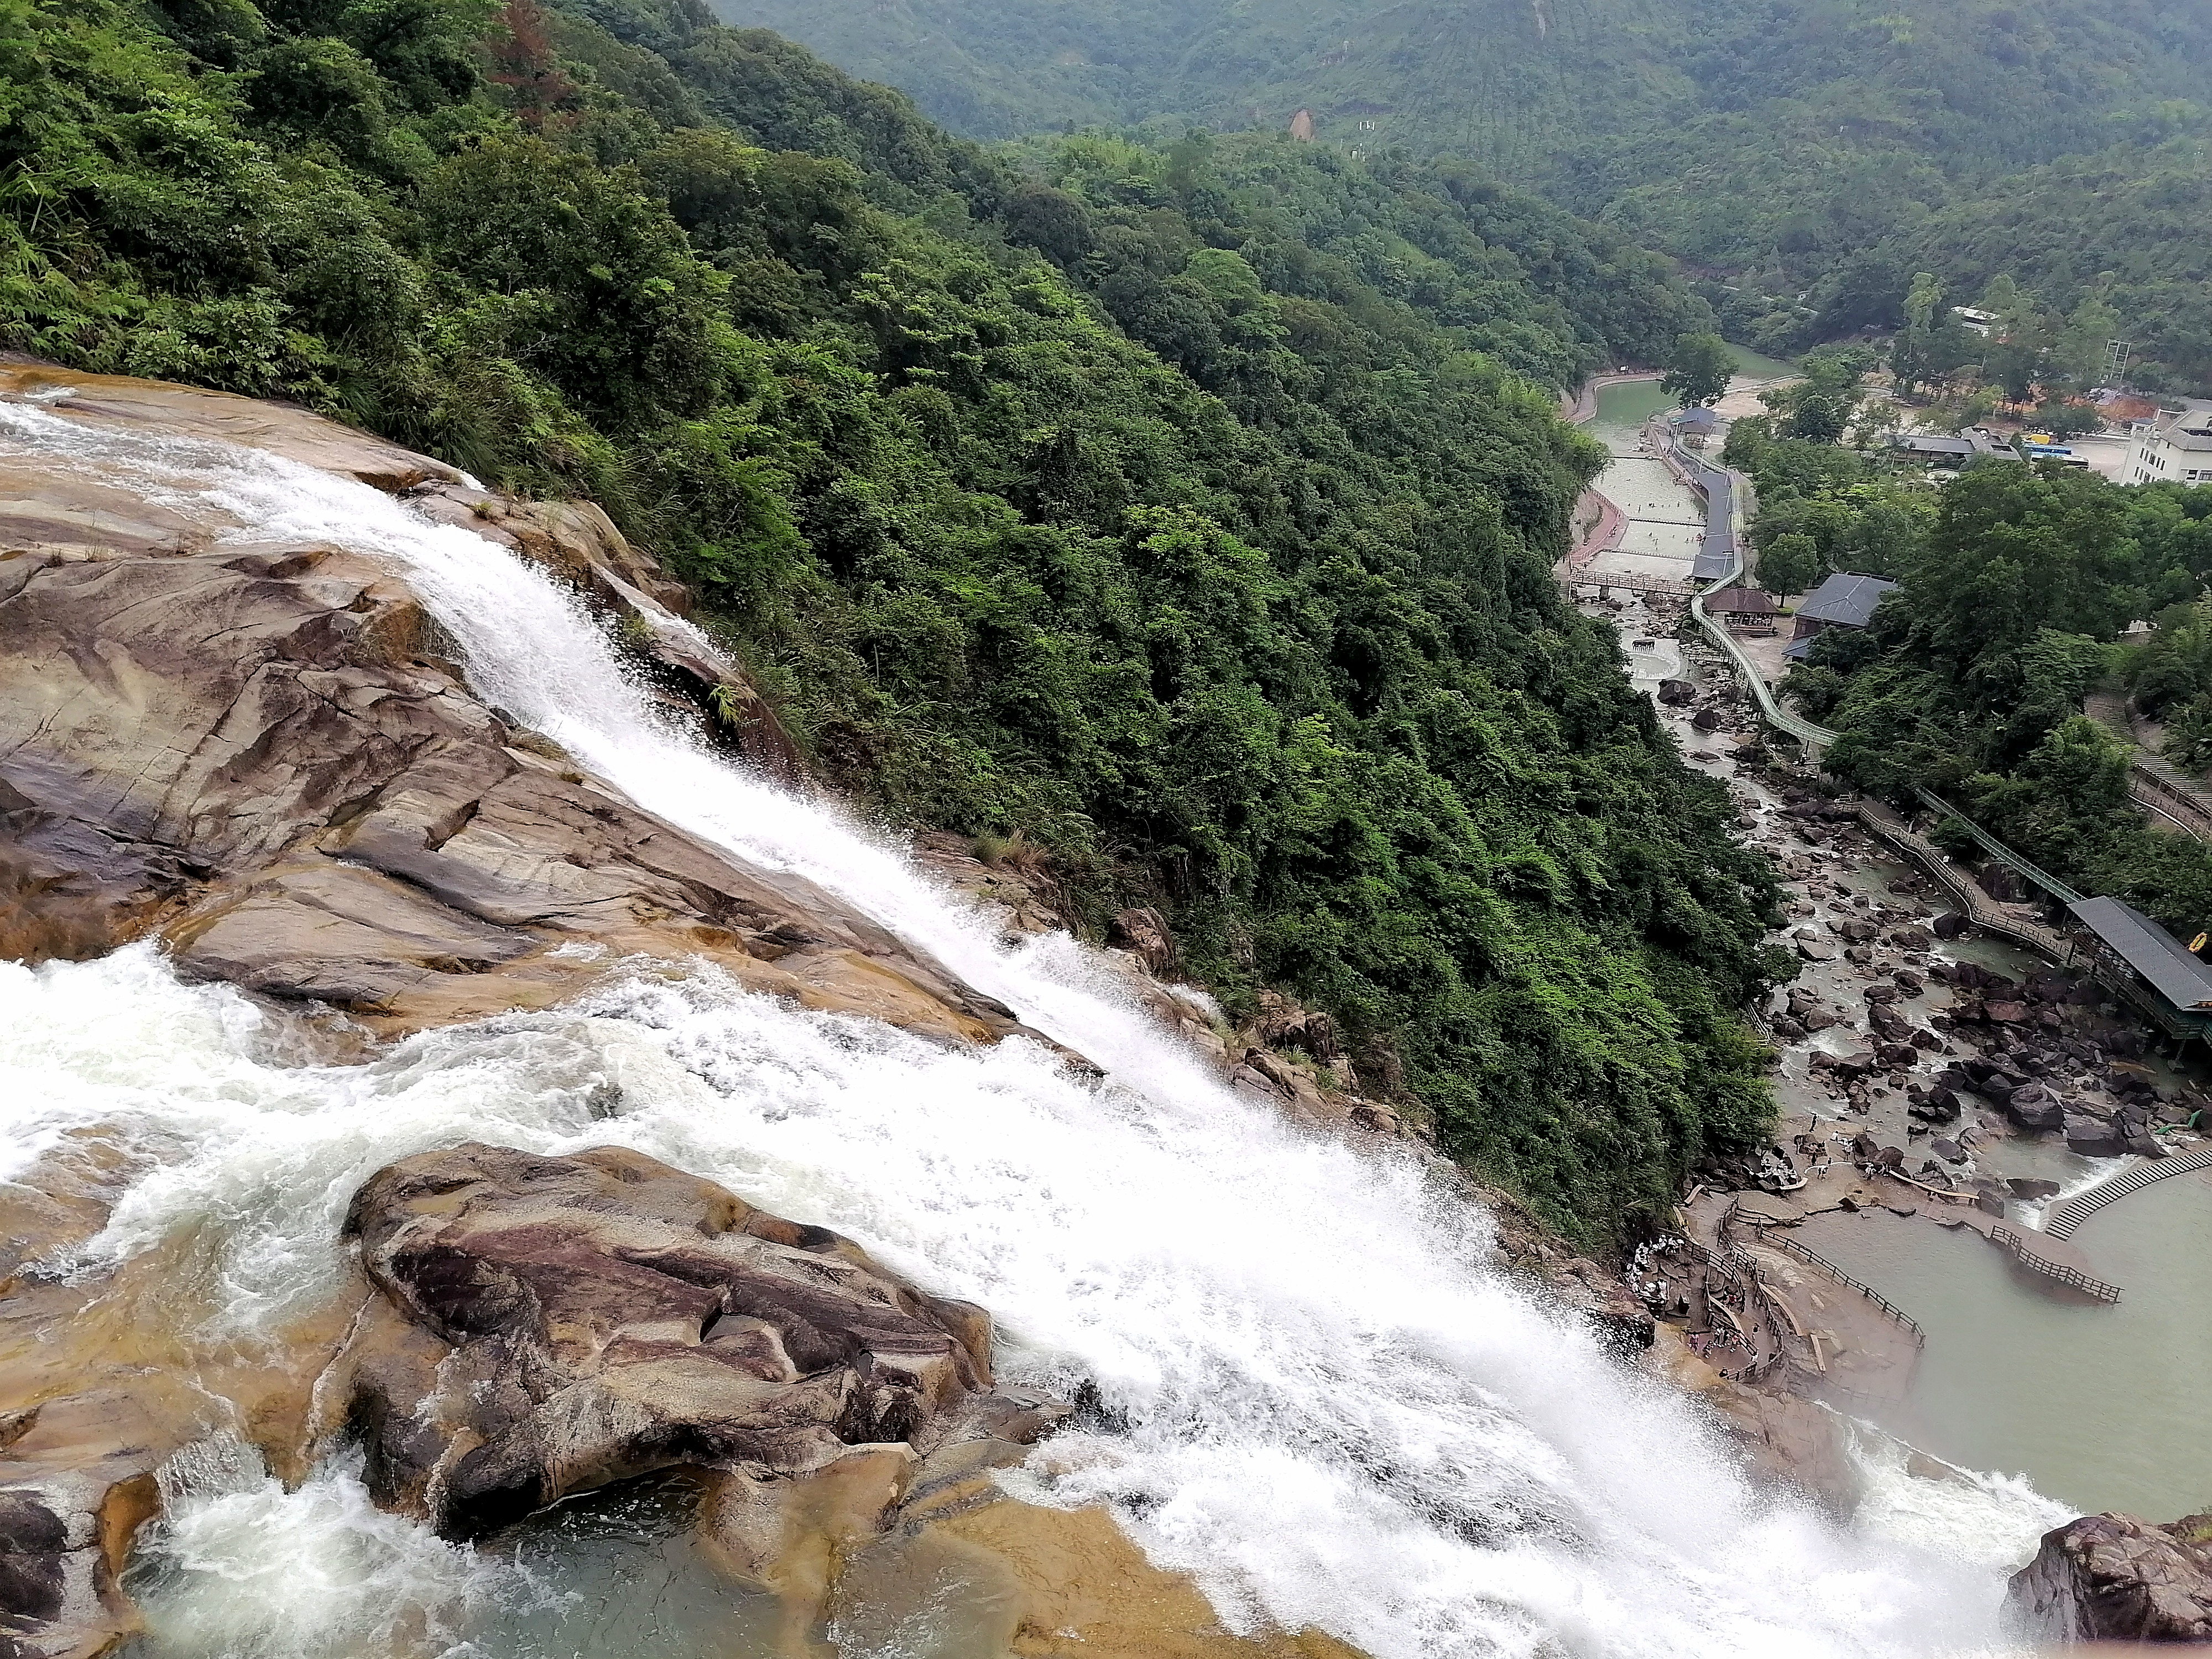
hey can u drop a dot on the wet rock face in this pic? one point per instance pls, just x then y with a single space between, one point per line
1145 931
550 1324
263 754
2114 1578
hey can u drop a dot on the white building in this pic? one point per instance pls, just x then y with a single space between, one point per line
2176 447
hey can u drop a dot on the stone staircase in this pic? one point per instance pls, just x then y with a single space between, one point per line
2075 1211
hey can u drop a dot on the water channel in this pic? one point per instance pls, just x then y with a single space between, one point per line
2097 1406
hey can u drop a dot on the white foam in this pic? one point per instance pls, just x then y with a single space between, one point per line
246 1570
1993 1521
1335 1413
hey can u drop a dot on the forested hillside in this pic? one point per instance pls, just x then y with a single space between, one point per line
1795 149
1183 515
2128 224
2017 584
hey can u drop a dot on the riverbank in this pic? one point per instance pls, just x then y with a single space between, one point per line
1880 1039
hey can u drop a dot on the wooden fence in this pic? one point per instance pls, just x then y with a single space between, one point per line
2009 1240
1775 1239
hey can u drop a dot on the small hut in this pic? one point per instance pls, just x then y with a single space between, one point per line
1742 610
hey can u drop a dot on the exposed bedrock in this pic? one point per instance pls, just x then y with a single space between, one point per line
2114 1578
545 1325
262 753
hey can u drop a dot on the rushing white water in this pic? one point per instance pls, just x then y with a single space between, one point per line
1324 1406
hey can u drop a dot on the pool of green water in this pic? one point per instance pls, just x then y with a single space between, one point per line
2101 1406
1626 404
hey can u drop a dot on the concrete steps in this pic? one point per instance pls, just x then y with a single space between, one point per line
2075 1211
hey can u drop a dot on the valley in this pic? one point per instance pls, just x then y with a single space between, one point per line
778 883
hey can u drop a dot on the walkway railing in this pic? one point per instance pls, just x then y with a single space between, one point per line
1997 850
2063 1220
1731 1265
1775 1239
1972 903
1812 738
2154 784
2013 1244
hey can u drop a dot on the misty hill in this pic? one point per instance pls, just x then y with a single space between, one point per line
1774 142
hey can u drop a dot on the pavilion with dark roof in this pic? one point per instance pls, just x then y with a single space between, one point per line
2133 955
1746 608
1844 600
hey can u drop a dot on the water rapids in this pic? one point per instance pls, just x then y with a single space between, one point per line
1316 1398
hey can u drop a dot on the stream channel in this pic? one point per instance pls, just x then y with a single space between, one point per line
2098 1406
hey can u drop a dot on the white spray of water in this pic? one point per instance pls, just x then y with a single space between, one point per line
1334 1415
316 1572
1993 1520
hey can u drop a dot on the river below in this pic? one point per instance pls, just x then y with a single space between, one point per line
2101 1406
2097 1406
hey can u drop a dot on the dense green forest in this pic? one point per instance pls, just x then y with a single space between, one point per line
2019 585
2126 227
1803 154
1186 512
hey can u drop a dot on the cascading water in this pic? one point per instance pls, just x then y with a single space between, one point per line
1321 1403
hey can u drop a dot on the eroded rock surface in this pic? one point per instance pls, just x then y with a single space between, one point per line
263 754
2114 1578
569 1322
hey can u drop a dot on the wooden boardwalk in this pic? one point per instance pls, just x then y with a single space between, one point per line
2075 1211
2038 1257
1669 585
2159 788
1972 903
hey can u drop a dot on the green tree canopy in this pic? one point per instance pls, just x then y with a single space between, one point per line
1189 510
1698 370
1790 564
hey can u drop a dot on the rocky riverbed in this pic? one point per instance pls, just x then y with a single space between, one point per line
1927 1075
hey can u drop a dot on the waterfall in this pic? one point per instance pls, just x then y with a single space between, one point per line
1319 1399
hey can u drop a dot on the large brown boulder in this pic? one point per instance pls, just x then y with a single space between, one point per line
569 1322
263 754
2114 1578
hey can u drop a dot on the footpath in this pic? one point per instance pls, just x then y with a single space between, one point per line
2161 789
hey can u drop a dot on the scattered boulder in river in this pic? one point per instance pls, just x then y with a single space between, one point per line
551 1324
1939 1105
1674 693
2034 1106
2092 1135
1707 719
2114 1578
